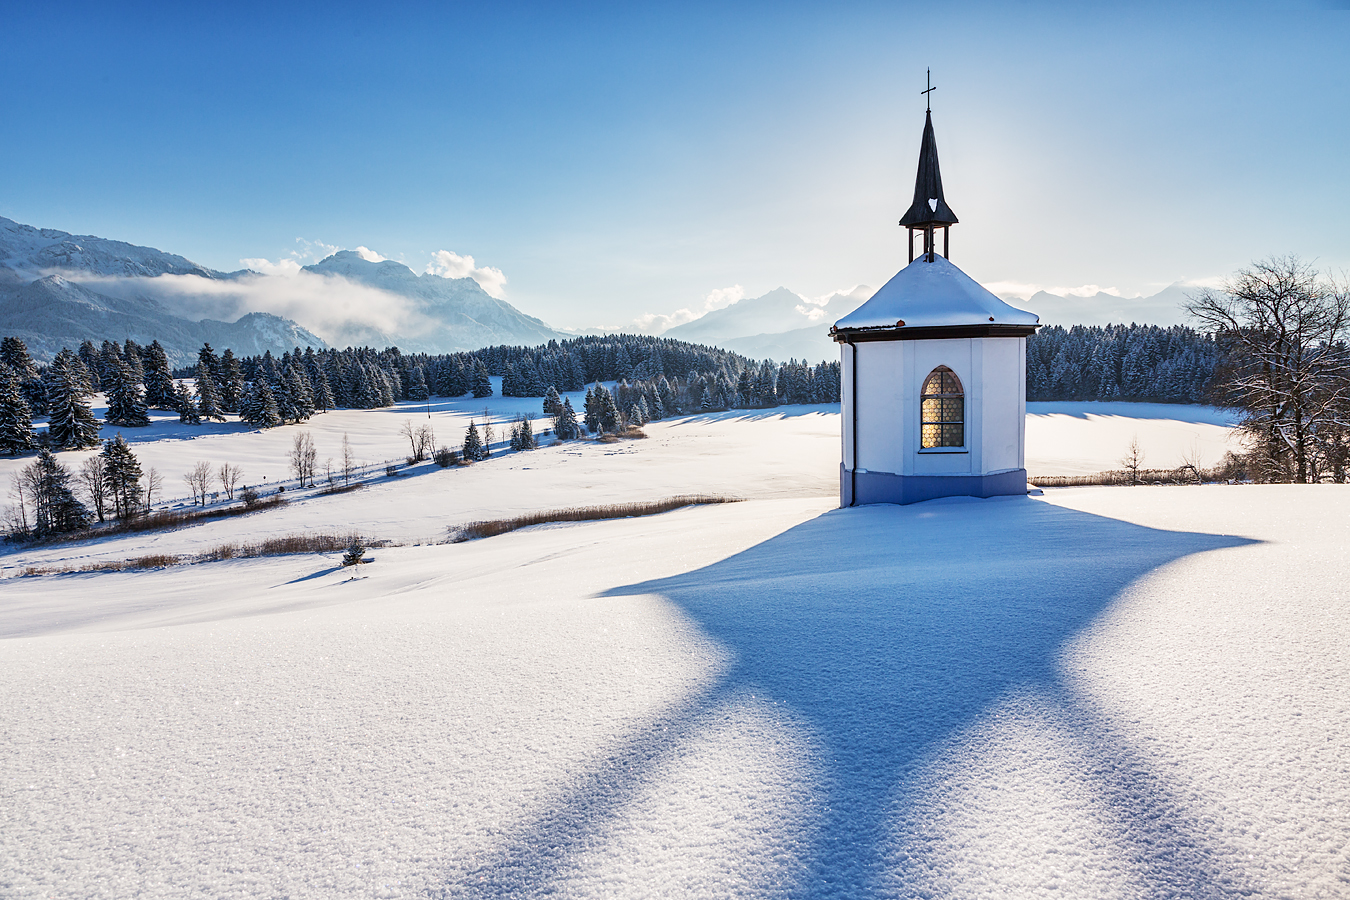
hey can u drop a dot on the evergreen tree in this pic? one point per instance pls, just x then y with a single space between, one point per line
56 510
133 355
417 385
72 425
591 410
293 400
609 418
482 385
323 394
522 435
208 394
473 444
126 408
259 407
186 406
207 359
231 382
16 421
552 402
122 472
14 353
159 389
565 424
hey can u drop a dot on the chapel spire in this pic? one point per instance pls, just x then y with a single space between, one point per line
929 210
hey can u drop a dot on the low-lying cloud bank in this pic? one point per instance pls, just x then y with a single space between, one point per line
335 309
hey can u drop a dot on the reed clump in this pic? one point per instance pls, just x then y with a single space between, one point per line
492 527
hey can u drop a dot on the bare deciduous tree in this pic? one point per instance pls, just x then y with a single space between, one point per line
198 480
151 486
229 478
93 481
303 456
1133 459
421 439
348 460
1284 328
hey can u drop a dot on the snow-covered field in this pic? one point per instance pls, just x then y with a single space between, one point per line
1097 692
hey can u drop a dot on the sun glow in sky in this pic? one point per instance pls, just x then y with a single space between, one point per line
599 164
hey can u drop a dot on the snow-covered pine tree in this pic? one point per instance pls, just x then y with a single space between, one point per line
634 416
293 400
56 510
207 359
72 425
565 423
231 382
122 473
552 402
417 385
482 385
186 406
16 420
134 357
126 407
159 392
259 407
591 410
208 395
610 420
473 444
643 413
323 393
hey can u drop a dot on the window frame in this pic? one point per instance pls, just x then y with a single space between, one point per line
944 393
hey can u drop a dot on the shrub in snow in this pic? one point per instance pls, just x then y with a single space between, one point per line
249 496
356 552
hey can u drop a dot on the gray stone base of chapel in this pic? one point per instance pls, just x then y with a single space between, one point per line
883 487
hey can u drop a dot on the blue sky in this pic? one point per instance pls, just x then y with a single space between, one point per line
614 161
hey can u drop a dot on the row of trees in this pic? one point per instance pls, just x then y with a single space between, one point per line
1142 363
51 499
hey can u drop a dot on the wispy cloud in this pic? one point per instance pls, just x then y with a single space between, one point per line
449 264
719 298
307 252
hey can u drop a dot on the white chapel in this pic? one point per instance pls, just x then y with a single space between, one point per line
934 374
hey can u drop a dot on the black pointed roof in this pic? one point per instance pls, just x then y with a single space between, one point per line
928 186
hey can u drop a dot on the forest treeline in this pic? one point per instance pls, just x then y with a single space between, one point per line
657 376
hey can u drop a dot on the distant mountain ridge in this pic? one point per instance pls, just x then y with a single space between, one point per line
779 325
49 311
58 289
33 252
455 314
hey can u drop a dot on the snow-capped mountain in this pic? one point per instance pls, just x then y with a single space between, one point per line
41 302
779 325
32 252
451 313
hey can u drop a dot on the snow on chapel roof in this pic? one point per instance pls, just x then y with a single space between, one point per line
933 295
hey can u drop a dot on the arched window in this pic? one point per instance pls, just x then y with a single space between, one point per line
943 415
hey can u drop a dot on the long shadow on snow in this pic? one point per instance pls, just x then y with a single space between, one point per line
890 629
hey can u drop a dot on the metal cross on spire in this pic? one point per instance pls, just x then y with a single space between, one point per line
928 93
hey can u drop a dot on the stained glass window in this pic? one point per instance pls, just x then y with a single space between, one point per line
943 412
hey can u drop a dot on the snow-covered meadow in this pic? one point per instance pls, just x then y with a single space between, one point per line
1105 692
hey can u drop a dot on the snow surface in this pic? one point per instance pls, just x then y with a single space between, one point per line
926 294
1105 692
795 454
